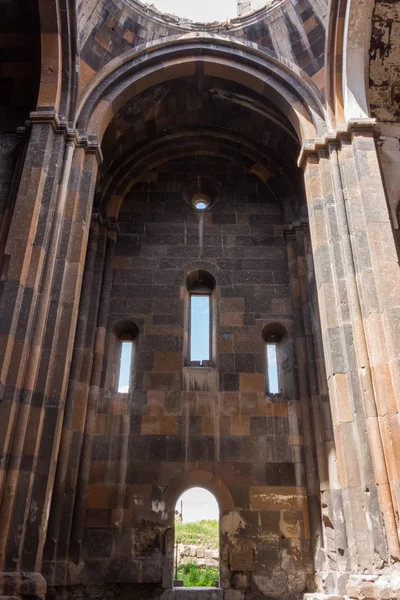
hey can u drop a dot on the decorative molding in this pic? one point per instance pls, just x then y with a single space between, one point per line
61 127
289 229
334 137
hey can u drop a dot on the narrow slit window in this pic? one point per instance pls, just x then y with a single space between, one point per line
200 326
125 365
272 369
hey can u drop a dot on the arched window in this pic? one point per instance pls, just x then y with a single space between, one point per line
126 334
201 320
276 353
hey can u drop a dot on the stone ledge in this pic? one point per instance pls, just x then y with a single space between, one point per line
200 593
316 596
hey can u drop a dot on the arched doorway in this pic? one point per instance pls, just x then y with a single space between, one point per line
196 543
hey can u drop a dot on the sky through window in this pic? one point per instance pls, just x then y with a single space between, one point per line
125 368
272 365
199 327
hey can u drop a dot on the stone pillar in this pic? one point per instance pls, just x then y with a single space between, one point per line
76 403
377 277
47 247
296 261
94 393
25 251
345 376
333 552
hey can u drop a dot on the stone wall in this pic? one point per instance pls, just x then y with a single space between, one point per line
247 6
146 440
294 31
384 97
202 557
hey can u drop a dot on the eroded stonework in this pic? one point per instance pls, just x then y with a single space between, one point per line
106 145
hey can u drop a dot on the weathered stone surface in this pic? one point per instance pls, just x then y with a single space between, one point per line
101 243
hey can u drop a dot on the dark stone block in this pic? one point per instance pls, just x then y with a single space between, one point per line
174 448
100 447
139 447
100 542
231 449
280 474
261 425
229 382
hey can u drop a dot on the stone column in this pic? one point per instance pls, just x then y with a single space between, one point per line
26 248
54 365
61 220
94 393
377 279
76 403
366 541
333 553
296 267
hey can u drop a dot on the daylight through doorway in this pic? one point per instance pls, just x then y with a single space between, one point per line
196 561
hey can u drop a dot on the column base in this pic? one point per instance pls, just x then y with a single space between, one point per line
17 585
355 586
316 596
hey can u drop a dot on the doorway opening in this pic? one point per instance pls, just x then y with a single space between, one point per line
197 554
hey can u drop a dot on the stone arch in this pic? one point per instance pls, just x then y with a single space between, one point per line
210 482
349 33
356 39
204 479
58 77
282 83
51 56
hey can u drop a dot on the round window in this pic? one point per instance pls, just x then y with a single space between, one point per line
201 201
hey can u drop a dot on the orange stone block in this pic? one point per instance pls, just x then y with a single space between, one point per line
155 402
231 305
279 409
167 361
252 382
86 74
101 424
208 426
207 404
240 425
225 344
159 425
98 496
231 318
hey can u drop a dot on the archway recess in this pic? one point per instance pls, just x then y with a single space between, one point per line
197 539
284 84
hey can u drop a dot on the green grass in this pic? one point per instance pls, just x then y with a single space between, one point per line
203 533
195 576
